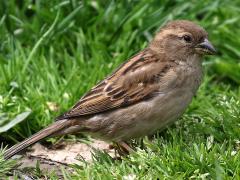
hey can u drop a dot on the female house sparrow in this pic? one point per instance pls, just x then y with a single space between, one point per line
146 93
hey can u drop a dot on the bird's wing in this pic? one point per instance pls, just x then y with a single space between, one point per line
132 82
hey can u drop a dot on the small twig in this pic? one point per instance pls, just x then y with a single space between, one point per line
46 160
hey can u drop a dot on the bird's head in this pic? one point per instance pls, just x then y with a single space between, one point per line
182 38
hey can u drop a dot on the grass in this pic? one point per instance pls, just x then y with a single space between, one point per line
53 52
5 166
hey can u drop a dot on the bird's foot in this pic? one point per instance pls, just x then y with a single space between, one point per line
122 148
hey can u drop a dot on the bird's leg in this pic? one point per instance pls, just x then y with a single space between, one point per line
125 147
122 148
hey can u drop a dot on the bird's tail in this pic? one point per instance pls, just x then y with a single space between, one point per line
48 131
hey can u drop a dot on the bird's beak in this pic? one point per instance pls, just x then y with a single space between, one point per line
205 47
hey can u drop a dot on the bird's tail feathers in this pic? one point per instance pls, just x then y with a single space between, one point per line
48 131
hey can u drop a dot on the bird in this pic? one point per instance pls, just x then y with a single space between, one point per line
148 92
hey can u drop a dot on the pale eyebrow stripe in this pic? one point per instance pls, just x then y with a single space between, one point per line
166 32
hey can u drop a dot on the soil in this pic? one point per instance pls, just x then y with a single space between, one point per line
63 155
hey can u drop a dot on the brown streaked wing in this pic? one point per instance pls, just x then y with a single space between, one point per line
129 84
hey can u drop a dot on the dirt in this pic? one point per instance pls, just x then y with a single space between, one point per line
61 156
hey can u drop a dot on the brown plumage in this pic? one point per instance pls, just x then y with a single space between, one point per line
128 85
146 93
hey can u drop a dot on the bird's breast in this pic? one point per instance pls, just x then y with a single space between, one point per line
189 74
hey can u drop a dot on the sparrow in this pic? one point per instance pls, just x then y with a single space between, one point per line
146 93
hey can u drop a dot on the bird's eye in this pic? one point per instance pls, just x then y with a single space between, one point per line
187 38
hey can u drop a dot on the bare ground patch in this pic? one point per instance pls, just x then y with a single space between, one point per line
61 156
